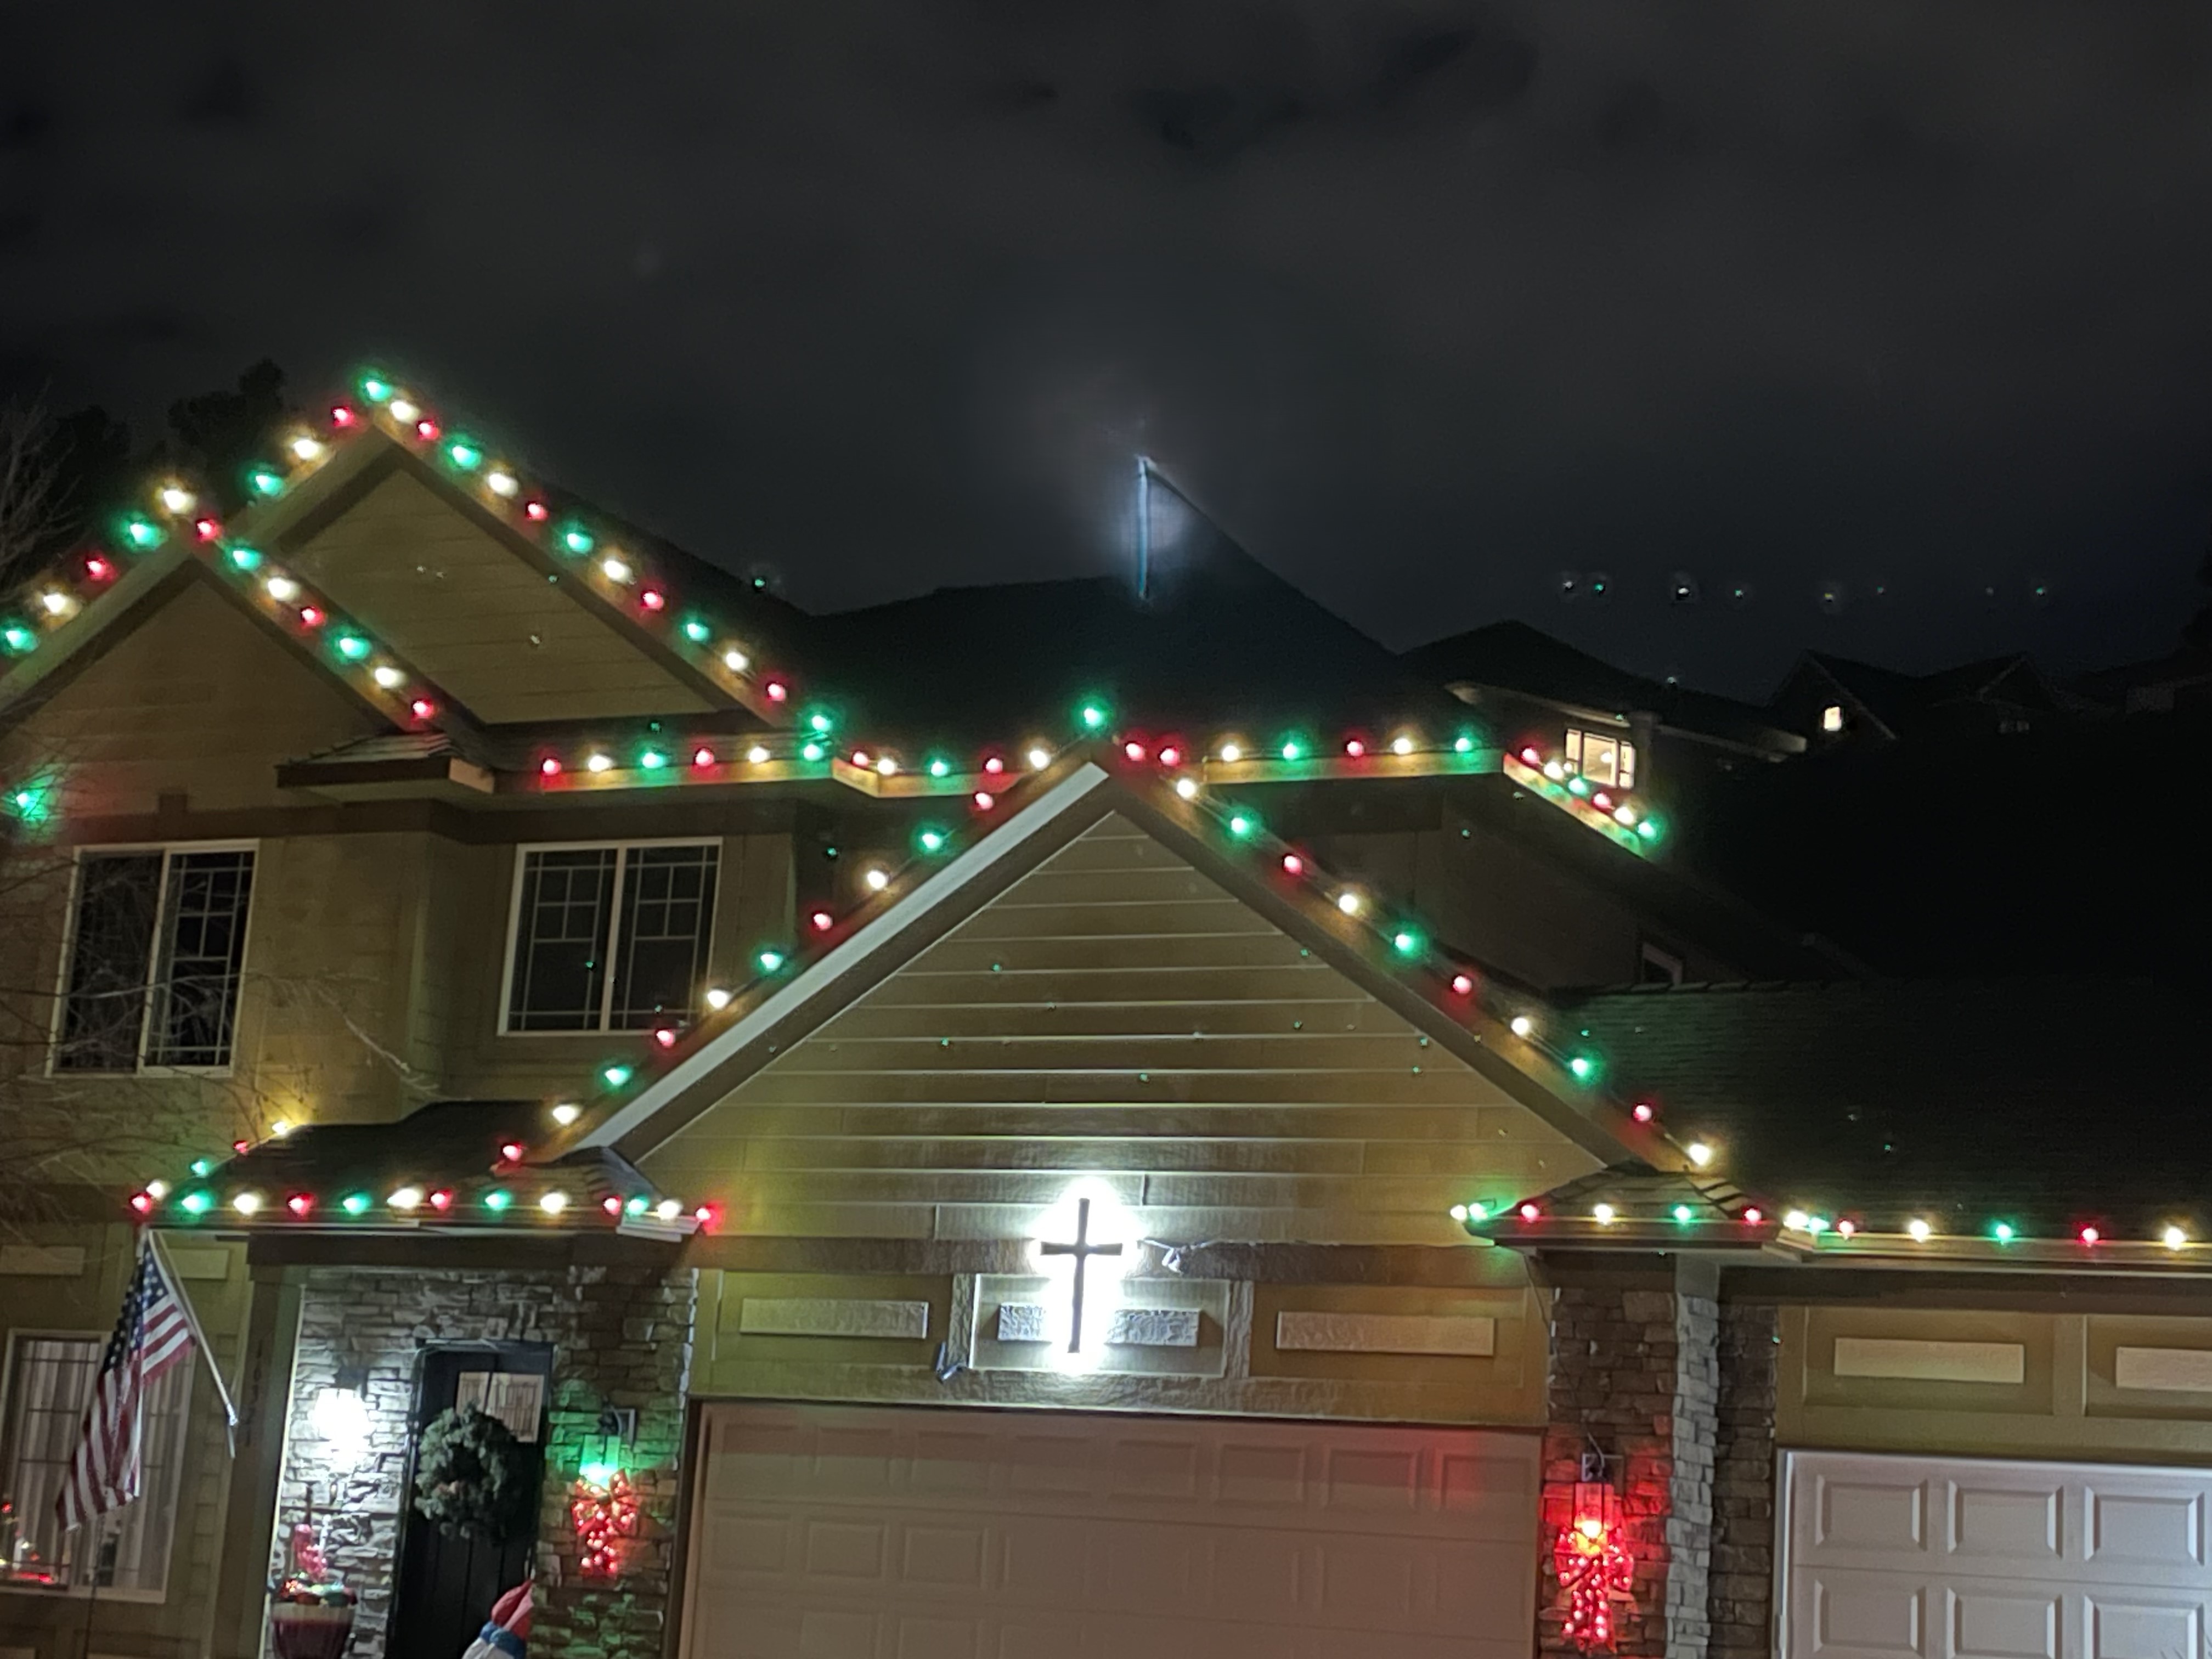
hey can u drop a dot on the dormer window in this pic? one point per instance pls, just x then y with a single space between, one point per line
1602 757
1831 718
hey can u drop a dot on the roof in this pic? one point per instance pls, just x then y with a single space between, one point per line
2048 1104
444 1162
1513 657
1219 642
1901 702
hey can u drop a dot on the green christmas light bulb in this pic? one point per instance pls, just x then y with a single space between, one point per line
196 1203
818 721
463 454
1683 1213
930 840
577 539
246 559
265 481
1583 1068
697 631
2001 1232
812 751
1291 749
1406 942
652 760
635 1206
1462 745
204 1167
940 768
1093 716
1240 825
355 1203
497 1199
352 646
142 533
18 637
375 389
616 1075
770 961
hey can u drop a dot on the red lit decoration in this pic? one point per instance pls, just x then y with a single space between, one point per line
603 1514
1595 1568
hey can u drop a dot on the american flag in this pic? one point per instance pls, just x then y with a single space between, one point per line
153 1333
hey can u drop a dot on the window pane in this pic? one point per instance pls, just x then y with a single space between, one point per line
560 944
202 948
50 1379
668 915
140 1534
111 943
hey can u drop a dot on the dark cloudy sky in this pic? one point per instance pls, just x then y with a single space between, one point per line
1427 303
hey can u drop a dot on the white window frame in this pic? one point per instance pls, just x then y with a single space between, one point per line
1624 755
182 1371
168 850
622 849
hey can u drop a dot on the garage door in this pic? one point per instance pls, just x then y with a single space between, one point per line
867 1533
1959 1559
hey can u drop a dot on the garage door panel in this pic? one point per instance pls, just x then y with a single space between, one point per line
1990 1621
897 1531
1864 1616
2163 1531
1994 1526
2139 1626
2027 1560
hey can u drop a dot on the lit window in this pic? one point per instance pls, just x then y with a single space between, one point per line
609 939
157 949
49 1381
1601 757
1831 718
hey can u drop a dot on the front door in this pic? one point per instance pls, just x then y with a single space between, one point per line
447 1583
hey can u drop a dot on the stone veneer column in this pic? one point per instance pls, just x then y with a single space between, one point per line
621 1336
1743 1599
1635 1370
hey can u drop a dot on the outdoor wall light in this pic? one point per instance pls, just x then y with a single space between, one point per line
340 1416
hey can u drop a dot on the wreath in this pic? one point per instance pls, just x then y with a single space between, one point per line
471 1474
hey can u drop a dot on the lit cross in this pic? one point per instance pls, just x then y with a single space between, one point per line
1082 1249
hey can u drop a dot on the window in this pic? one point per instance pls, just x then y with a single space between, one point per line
1602 757
157 943
48 1383
1831 718
609 939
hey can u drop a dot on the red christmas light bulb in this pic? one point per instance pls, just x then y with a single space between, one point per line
1171 756
536 512
511 1152
550 766
653 599
702 756
777 691
1462 985
299 1203
666 1036
1354 748
612 1205
98 569
993 765
1135 751
1753 1215
1530 1213
2090 1235
142 1202
241 1147
1531 756
1293 864
442 1199
310 616
1642 1112
984 801
823 920
423 708
341 416
207 529
426 429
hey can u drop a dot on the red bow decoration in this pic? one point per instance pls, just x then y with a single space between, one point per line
1595 1570
602 1517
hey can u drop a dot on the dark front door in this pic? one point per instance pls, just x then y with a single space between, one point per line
446 1582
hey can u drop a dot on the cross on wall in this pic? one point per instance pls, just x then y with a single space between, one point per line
1082 1249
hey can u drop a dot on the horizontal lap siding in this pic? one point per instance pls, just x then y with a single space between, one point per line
466 611
1116 1012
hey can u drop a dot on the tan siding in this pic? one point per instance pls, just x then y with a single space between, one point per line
1116 1012
476 619
198 701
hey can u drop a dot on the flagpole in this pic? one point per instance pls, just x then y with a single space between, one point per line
192 1323
92 1599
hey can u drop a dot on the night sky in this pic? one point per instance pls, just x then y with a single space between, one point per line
1427 303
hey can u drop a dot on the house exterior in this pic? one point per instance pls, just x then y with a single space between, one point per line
1147 1178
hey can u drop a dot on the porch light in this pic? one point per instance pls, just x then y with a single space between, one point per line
341 1422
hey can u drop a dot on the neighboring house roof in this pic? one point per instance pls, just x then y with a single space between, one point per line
1219 643
1513 657
1900 704
2044 1106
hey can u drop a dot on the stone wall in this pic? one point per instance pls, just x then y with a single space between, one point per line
1743 1599
1634 1376
621 1336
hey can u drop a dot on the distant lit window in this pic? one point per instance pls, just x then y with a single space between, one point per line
1831 718
1602 757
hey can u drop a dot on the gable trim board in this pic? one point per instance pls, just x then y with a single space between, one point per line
906 925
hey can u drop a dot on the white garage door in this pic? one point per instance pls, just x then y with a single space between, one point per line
1967 1559
871 1533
